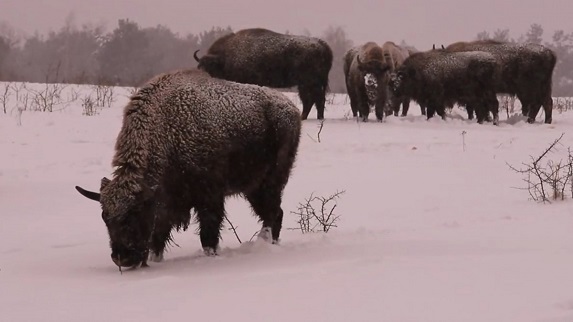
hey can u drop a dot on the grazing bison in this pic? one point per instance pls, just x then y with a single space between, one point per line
394 56
366 75
437 78
266 58
524 70
187 142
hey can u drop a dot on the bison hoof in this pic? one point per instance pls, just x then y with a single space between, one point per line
208 251
156 258
266 234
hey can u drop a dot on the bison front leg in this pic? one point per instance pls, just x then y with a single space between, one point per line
493 106
210 216
379 110
159 240
406 106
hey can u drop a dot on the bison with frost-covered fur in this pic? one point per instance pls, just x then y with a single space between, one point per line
366 75
267 58
187 142
437 78
394 55
523 70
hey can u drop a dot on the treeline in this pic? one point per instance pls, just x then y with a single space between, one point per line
130 54
126 56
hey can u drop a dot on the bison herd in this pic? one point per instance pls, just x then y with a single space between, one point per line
388 77
190 138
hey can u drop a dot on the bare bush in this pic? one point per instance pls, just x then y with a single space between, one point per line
329 98
563 104
132 90
507 103
73 95
320 126
317 213
48 98
104 95
233 229
548 180
89 106
5 94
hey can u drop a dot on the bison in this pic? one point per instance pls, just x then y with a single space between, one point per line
394 56
523 70
366 75
186 143
438 78
267 58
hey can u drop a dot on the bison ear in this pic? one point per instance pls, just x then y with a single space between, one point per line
104 182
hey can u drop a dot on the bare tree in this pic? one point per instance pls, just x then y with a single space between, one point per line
339 42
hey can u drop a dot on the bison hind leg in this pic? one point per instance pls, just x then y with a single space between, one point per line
266 205
155 257
312 95
266 234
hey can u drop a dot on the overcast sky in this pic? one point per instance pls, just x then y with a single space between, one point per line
419 22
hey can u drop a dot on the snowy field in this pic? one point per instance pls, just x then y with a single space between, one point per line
430 228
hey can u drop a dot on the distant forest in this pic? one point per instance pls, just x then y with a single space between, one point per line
130 54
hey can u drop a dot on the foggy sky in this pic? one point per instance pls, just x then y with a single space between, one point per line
419 22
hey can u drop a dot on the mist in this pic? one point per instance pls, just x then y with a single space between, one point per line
79 42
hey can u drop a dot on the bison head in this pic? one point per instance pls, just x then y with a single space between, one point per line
130 228
212 64
400 82
375 73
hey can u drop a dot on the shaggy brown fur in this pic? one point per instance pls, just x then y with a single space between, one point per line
394 56
360 62
436 78
523 70
267 58
187 141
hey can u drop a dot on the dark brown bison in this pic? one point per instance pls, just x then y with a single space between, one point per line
187 142
523 70
266 58
366 75
437 78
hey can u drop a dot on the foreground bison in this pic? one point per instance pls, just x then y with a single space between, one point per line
366 75
437 78
263 57
523 70
188 141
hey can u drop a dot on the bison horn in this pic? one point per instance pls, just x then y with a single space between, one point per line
358 60
443 47
195 55
89 194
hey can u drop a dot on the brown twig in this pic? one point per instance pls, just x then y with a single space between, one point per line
234 229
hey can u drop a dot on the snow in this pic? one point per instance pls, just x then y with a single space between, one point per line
429 230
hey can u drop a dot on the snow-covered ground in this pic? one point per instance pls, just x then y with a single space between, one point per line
429 230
